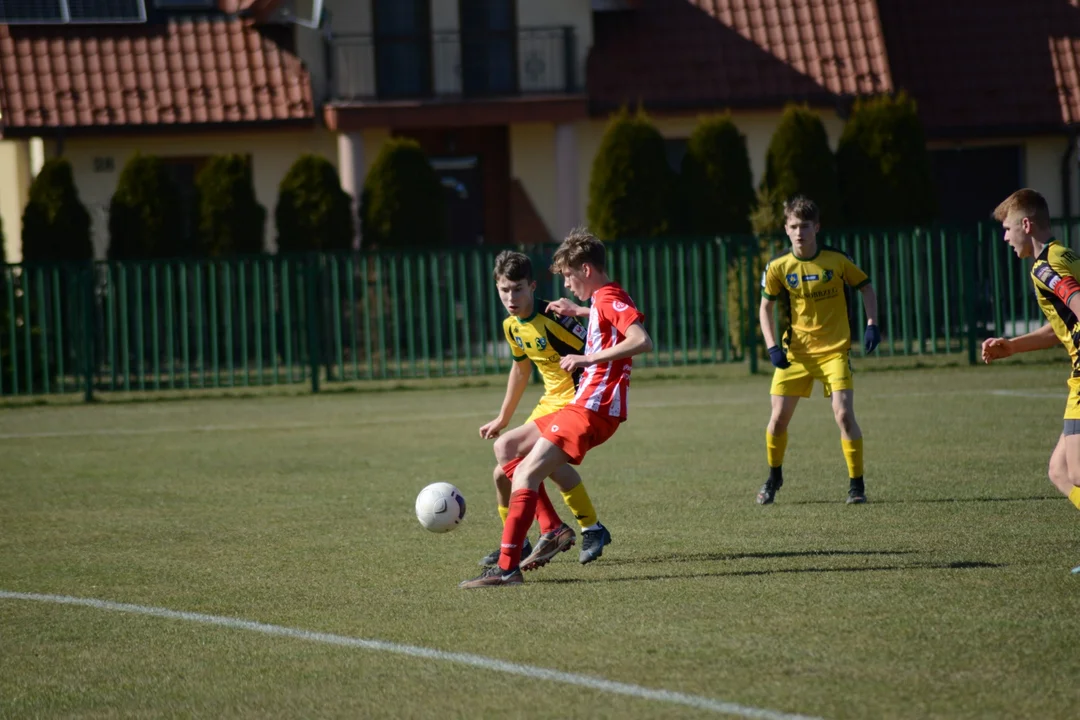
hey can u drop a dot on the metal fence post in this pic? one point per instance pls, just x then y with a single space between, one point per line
313 317
88 332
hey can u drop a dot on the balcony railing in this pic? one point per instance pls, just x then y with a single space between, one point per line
466 64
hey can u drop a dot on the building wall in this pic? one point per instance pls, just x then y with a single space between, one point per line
532 161
14 189
272 154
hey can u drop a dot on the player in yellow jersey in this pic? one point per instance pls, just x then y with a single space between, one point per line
1056 276
537 337
812 282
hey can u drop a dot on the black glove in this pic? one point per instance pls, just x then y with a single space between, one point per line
872 338
778 358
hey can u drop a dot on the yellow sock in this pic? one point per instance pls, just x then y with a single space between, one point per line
853 456
1074 496
775 445
504 512
579 503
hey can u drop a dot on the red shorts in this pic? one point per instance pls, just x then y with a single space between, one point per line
576 430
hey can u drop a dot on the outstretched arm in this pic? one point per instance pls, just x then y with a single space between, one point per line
997 348
515 388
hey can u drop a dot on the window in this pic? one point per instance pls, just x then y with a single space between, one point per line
402 48
488 47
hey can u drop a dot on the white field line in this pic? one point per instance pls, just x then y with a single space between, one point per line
359 422
477 661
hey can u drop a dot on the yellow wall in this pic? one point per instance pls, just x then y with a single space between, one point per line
14 187
272 154
532 161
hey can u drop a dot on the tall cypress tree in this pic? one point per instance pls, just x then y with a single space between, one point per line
402 204
144 214
799 162
884 167
231 220
313 213
56 225
717 183
631 187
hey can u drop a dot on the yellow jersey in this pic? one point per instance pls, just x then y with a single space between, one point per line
813 292
544 338
1055 275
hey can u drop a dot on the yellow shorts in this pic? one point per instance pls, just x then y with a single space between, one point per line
546 406
1072 405
834 372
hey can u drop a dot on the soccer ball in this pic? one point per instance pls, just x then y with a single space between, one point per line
440 507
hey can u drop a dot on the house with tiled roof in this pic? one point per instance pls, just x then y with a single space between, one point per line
509 98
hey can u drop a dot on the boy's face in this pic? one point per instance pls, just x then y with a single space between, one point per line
577 281
516 295
800 232
1018 235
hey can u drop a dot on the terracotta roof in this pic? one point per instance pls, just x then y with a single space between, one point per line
737 53
194 71
1000 66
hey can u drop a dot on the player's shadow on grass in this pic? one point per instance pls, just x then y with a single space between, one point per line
956 565
712 557
1032 498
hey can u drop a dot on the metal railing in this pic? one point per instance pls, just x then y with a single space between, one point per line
327 318
467 64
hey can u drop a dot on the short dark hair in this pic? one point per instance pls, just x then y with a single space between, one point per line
803 208
579 247
513 266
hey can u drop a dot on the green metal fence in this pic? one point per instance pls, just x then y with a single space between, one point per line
331 318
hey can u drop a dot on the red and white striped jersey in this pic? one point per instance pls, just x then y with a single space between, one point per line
604 386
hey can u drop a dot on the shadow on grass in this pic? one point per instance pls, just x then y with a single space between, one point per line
712 557
1033 498
956 565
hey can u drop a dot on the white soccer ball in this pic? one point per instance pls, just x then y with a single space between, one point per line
440 507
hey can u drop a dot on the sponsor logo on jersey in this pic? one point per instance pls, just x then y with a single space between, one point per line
579 331
619 306
808 278
1046 273
793 280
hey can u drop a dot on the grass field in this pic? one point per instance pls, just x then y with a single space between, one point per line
948 595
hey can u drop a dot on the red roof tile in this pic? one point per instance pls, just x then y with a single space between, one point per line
737 53
998 66
190 71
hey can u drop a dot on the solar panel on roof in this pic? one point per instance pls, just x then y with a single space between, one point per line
33 12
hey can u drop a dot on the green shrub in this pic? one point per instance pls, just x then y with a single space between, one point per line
717 182
313 213
144 214
631 186
56 225
402 204
799 161
884 167
231 220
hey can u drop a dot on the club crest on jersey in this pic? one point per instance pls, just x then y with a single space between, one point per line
793 280
519 342
541 343
828 275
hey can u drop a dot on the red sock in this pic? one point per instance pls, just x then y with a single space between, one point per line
522 512
545 512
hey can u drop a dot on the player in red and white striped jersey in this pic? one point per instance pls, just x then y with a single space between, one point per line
615 334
